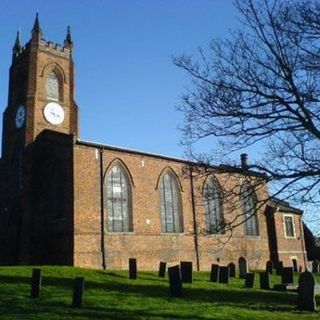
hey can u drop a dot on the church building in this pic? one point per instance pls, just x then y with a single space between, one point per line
65 201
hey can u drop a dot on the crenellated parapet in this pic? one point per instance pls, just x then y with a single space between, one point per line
37 41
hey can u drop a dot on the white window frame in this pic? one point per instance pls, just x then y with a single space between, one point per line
293 226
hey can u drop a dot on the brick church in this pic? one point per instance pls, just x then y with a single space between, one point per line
70 202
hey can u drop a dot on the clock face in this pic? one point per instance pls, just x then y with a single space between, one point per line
20 116
53 113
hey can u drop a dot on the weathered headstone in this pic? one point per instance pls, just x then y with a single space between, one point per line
269 266
132 268
287 275
175 281
264 280
78 287
214 275
315 266
294 265
186 271
36 283
279 267
306 298
232 270
249 280
224 275
243 269
162 269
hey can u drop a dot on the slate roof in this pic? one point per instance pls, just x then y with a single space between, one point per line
283 206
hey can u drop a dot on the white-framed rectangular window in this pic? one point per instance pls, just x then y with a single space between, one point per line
288 222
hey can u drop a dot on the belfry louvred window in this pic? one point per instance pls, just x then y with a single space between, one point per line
52 87
170 204
118 200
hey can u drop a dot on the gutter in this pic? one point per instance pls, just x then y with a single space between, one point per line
195 229
103 254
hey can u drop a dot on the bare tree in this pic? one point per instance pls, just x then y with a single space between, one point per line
262 86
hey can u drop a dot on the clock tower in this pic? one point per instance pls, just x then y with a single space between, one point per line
40 99
41 91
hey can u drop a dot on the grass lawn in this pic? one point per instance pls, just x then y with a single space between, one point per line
111 295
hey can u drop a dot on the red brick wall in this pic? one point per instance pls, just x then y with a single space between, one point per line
147 243
289 248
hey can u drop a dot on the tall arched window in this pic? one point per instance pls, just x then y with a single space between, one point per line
52 87
213 202
118 197
249 201
170 203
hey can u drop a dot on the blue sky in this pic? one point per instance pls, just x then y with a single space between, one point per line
127 87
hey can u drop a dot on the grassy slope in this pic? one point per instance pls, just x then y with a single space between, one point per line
111 295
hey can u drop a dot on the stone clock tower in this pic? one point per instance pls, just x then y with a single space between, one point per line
40 101
41 91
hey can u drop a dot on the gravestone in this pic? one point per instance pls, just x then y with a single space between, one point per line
249 280
36 283
294 265
224 275
243 269
175 281
264 280
132 268
279 267
269 266
315 266
287 275
232 270
162 269
186 271
214 275
78 287
309 266
306 298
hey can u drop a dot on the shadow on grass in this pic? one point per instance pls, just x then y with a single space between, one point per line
141 276
60 289
50 310
156 290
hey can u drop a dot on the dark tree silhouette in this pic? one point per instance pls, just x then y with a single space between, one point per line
262 86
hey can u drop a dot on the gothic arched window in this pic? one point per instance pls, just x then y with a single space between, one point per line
213 201
170 204
52 87
249 201
118 198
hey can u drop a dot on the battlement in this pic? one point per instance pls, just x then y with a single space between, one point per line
55 48
44 45
39 43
